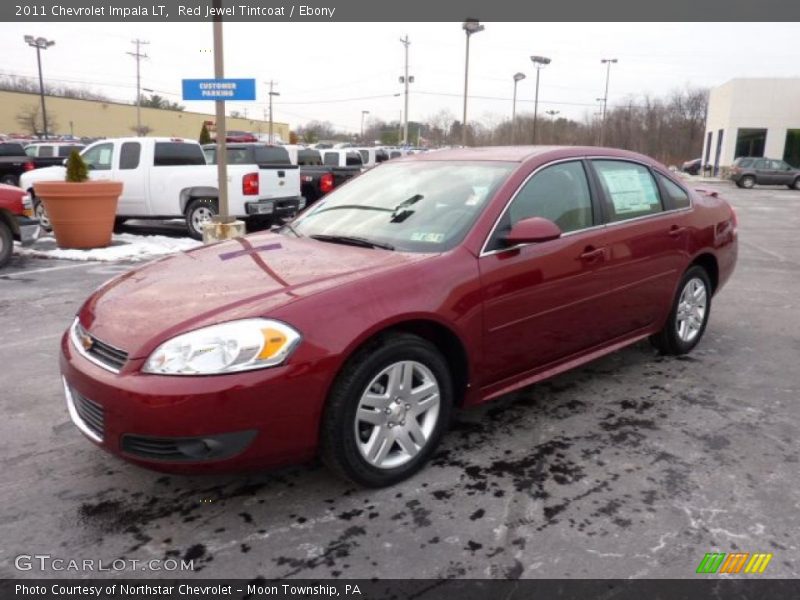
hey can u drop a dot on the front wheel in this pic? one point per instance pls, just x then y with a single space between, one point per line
387 411
747 182
6 243
689 315
796 184
41 213
198 213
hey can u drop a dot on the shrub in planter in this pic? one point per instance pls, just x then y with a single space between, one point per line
81 211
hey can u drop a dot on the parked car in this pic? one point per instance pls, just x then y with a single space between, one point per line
240 136
692 167
749 171
431 282
13 162
46 154
317 179
371 157
278 175
164 178
16 221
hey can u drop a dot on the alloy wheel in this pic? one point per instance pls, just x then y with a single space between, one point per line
41 213
397 414
200 216
692 308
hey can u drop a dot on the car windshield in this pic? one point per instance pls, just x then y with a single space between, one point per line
421 206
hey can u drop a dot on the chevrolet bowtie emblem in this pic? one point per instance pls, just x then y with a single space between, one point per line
86 342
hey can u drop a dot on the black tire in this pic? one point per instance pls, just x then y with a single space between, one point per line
796 184
338 446
40 213
119 223
6 243
747 182
193 213
668 341
10 180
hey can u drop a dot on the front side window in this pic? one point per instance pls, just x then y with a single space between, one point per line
129 155
98 158
630 189
413 207
211 155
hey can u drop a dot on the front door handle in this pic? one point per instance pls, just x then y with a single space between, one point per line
675 230
591 254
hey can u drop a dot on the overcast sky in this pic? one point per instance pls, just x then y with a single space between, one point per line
333 71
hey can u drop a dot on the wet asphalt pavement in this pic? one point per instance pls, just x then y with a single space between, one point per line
632 466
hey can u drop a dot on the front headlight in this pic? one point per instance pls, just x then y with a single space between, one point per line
225 348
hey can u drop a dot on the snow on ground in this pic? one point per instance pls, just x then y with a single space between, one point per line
124 246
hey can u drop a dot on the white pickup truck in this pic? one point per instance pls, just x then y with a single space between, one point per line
164 178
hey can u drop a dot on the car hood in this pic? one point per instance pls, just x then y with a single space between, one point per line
241 278
56 173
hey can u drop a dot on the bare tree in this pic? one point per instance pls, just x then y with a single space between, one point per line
30 119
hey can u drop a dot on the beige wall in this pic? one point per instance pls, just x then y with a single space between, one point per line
108 119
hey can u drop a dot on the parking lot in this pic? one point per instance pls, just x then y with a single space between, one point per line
633 466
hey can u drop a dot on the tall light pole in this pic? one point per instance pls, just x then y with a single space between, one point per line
538 62
272 93
40 44
406 80
607 62
219 106
363 114
138 56
470 26
552 114
517 78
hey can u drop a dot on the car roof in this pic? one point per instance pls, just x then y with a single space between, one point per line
522 154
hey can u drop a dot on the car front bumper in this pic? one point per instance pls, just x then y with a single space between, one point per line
256 419
284 208
28 230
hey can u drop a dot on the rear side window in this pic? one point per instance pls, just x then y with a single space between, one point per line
45 151
129 155
629 188
273 155
364 155
12 150
177 154
308 158
65 151
762 164
744 162
332 159
675 195
353 159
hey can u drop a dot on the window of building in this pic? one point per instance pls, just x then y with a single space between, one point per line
750 142
791 151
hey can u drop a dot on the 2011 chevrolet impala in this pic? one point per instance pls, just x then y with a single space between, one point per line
428 283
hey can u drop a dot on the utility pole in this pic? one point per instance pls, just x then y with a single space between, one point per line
470 27
405 41
272 93
138 56
607 62
40 44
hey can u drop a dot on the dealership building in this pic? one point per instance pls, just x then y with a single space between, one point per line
753 117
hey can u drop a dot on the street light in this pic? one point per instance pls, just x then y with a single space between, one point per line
552 114
517 78
607 62
470 26
271 93
538 62
40 44
363 114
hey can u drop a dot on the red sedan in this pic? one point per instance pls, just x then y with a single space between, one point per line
427 283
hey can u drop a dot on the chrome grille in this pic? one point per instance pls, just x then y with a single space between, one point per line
100 353
87 415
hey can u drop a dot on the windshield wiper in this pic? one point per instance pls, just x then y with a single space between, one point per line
289 226
351 241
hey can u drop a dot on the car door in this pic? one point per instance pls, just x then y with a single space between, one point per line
544 301
133 201
783 173
99 160
647 238
762 171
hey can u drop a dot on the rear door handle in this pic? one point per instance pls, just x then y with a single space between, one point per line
590 253
675 231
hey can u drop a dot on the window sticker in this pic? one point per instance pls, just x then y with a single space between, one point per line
434 238
631 190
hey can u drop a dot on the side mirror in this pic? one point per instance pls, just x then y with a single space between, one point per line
532 231
64 162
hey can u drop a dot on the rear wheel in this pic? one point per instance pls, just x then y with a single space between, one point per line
689 315
10 180
747 182
41 213
6 243
198 213
796 184
387 411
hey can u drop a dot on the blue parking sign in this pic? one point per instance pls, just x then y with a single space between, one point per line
219 89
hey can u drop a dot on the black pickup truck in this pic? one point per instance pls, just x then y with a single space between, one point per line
16 159
317 178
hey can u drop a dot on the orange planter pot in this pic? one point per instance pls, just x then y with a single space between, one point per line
82 214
